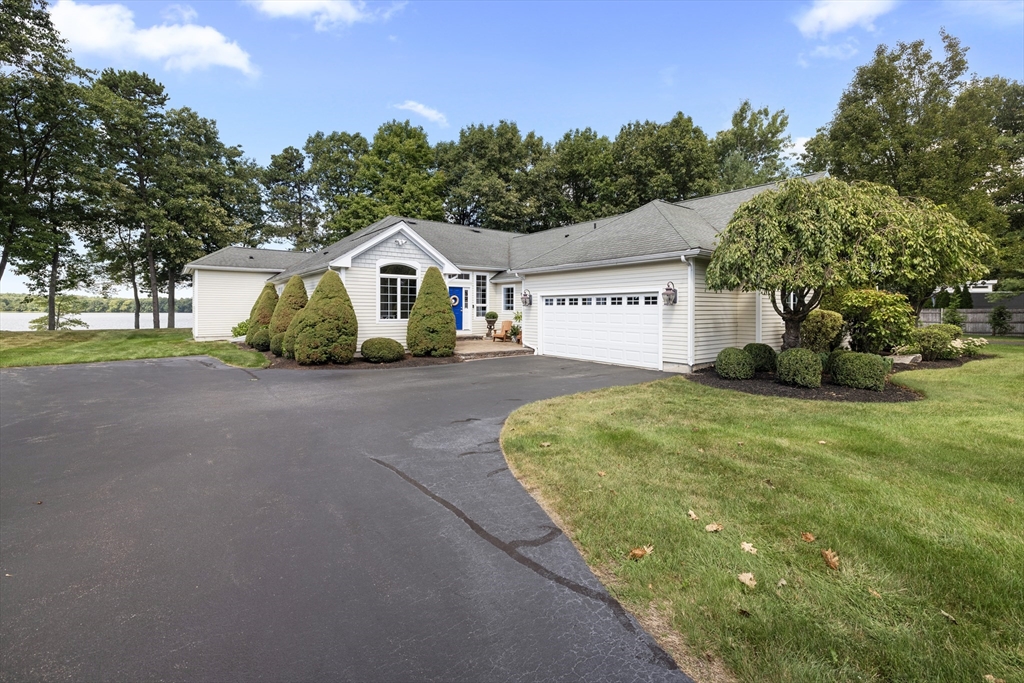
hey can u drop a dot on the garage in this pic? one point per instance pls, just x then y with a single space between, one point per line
624 329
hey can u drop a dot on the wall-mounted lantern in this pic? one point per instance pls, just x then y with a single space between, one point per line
527 298
670 295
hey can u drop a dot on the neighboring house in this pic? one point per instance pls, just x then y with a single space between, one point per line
596 287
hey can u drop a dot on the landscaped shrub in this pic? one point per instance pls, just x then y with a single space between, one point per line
241 329
954 331
325 331
933 342
431 330
288 340
951 316
382 350
259 319
763 355
799 367
999 319
830 364
293 299
860 371
733 363
877 321
820 330
942 299
969 347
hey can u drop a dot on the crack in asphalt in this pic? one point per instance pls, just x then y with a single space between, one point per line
660 657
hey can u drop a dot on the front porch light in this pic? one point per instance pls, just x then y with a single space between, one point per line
527 298
670 295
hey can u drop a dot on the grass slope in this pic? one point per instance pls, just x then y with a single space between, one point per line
89 346
923 502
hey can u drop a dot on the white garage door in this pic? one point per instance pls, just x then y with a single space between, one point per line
612 328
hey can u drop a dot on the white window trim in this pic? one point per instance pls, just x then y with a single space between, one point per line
504 303
392 262
487 294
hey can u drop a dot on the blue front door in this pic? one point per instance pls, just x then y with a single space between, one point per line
455 295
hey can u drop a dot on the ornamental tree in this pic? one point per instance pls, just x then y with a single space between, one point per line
431 329
807 236
325 331
293 299
258 335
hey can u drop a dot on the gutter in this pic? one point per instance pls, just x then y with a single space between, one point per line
190 268
607 263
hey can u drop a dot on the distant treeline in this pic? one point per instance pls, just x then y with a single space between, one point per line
91 304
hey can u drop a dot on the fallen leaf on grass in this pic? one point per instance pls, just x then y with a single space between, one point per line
947 615
600 474
749 548
700 450
545 444
822 443
874 593
739 443
769 483
989 678
642 551
831 558
743 613
713 528
747 579
808 537
781 583
692 515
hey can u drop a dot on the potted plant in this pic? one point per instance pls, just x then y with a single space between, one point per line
515 330
491 317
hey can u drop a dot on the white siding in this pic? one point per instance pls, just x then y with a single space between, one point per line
648 277
772 325
221 299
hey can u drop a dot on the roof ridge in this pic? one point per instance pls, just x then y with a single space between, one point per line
669 221
748 187
578 237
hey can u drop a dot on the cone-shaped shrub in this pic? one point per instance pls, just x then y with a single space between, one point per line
258 335
431 330
288 340
293 299
325 331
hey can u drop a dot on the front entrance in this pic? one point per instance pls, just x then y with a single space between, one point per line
456 296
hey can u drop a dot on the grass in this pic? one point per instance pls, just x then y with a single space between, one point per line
923 502
89 346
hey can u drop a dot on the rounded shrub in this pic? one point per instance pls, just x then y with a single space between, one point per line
763 355
259 318
799 367
820 331
293 299
733 363
934 341
877 321
325 331
431 330
860 371
382 350
831 362
954 331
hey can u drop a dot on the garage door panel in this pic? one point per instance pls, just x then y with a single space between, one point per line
627 332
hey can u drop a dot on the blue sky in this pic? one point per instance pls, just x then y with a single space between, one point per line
271 73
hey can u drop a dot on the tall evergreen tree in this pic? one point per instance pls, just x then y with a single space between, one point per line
291 199
752 151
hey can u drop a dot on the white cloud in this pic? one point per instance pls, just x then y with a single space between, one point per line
1001 12
841 51
325 14
824 17
110 30
797 148
426 112
179 13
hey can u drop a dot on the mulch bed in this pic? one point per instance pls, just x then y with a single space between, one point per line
766 384
356 364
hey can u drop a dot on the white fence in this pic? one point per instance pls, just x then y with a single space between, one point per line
975 319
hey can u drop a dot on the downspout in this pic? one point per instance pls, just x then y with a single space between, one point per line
691 299
757 316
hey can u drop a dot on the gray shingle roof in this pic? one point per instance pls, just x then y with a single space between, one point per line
256 259
718 209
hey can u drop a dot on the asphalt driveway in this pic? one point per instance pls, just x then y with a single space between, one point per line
206 523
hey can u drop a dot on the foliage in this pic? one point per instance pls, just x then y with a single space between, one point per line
515 331
860 371
830 364
65 317
491 315
821 330
968 346
799 367
877 321
89 304
241 329
734 363
933 342
293 299
952 316
291 203
954 331
879 492
999 320
943 299
431 328
382 350
752 151
259 319
763 356
325 330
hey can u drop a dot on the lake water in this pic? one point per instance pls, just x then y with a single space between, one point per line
18 321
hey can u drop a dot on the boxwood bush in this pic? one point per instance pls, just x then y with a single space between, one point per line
325 331
733 363
257 335
800 367
820 331
431 330
382 350
831 363
763 355
933 342
860 371
293 299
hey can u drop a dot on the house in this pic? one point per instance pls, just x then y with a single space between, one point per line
594 291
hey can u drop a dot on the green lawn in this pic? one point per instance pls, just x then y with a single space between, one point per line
923 502
89 346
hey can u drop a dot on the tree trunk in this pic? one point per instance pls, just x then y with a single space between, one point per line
51 293
138 304
3 259
170 300
791 337
154 285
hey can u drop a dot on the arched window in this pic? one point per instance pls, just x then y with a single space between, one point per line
397 291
